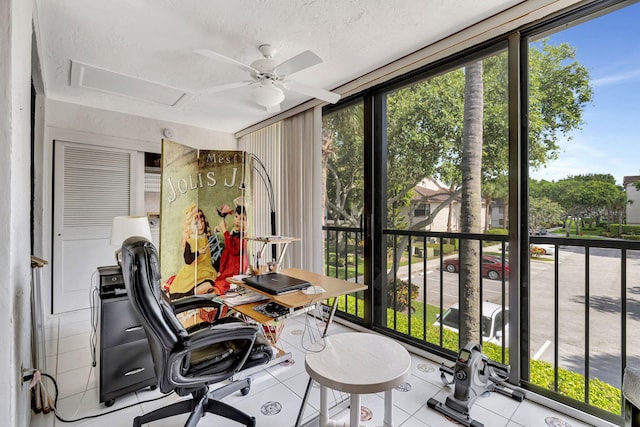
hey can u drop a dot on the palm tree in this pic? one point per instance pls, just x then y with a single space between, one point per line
470 209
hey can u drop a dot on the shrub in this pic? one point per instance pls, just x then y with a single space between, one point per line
333 258
401 294
447 248
495 231
498 231
626 229
571 384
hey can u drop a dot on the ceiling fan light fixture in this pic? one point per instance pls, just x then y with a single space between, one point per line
267 95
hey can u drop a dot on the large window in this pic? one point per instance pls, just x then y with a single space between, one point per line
433 157
583 127
447 147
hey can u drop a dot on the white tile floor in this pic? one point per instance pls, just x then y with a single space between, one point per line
276 391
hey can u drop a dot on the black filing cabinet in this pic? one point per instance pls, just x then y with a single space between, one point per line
125 358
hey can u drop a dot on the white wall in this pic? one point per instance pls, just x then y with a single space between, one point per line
80 124
633 209
15 92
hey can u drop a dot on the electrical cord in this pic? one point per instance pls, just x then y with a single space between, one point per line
315 333
94 297
86 417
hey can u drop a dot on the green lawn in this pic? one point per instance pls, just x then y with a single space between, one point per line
432 311
587 233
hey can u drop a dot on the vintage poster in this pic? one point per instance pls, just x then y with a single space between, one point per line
204 210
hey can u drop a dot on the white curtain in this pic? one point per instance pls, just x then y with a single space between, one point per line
291 153
302 183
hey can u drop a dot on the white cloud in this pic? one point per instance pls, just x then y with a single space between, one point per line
616 78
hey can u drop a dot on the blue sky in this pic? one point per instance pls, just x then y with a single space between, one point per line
608 47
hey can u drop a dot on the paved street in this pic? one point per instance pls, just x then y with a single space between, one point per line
604 324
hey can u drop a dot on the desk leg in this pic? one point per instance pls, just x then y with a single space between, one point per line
355 410
388 408
332 313
304 403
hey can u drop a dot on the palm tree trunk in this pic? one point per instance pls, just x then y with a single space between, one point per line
471 205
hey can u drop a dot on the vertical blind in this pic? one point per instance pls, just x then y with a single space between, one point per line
291 153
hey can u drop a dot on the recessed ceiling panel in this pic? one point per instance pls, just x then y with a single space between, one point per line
87 76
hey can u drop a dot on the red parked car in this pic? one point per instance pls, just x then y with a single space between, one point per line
491 266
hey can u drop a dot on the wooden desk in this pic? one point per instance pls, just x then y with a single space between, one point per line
333 288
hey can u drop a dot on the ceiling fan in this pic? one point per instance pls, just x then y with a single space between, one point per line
269 77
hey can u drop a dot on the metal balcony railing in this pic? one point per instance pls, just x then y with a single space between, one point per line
581 320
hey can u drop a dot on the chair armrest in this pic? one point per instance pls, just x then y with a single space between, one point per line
220 332
216 333
193 302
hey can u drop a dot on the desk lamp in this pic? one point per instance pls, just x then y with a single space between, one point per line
261 170
127 226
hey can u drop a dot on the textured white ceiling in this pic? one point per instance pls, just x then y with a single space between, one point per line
154 41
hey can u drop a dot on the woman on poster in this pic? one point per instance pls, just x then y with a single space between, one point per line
234 259
197 276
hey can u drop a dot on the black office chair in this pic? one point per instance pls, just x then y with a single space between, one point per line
188 360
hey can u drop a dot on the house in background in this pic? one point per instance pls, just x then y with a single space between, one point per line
633 199
429 194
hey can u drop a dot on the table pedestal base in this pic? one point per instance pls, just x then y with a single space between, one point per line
354 412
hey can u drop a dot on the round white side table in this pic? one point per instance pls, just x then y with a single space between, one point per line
358 363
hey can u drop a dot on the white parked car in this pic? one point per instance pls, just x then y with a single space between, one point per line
491 322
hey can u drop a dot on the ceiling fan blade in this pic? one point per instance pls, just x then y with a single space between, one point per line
297 63
314 92
273 108
219 57
228 86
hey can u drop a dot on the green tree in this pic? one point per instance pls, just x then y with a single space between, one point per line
343 164
544 212
424 128
590 195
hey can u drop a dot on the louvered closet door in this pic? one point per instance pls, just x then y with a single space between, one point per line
91 186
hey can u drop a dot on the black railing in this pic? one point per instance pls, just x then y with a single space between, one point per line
419 261
581 301
594 318
344 259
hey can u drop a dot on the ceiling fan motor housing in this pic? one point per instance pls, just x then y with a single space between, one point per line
267 50
265 66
